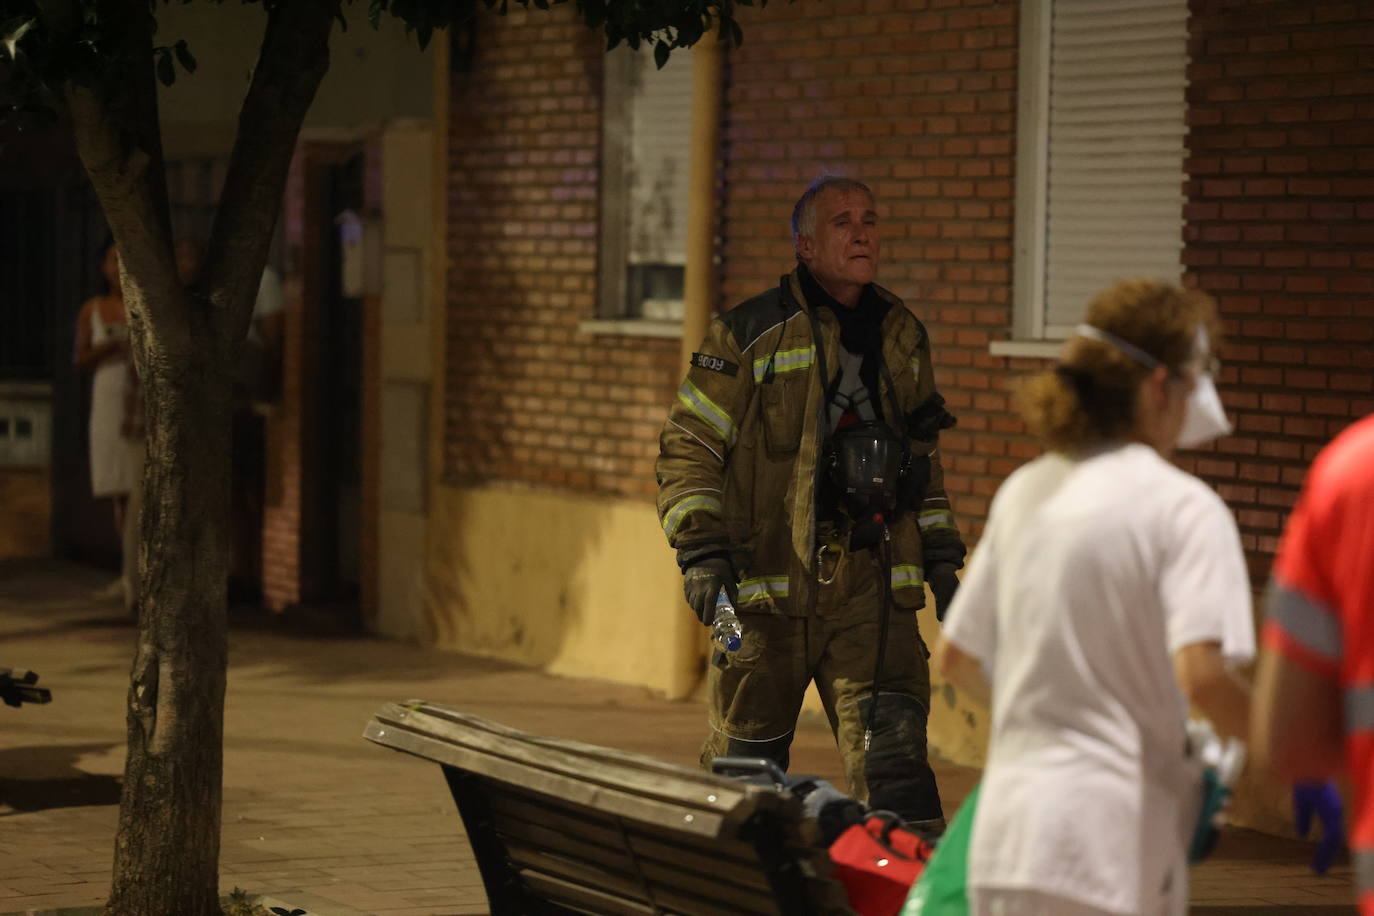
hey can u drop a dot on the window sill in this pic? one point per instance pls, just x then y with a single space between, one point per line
25 391
631 327
1032 349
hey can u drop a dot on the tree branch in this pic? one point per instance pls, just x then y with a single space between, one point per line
291 64
119 140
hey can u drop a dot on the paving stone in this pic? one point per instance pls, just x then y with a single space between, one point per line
316 816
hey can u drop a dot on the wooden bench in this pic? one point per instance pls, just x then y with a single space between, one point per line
563 827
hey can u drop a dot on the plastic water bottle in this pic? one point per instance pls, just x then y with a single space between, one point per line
726 632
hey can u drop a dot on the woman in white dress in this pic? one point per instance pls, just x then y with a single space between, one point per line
1109 589
102 348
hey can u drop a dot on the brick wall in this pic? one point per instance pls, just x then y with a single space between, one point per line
918 99
282 503
1281 231
528 397
25 512
919 102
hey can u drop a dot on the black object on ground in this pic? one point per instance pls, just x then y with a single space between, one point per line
16 688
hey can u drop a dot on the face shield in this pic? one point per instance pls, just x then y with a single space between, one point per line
1204 419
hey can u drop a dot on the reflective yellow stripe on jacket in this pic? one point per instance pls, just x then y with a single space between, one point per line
936 518
785 361
906 576
698 403
762 588
674 517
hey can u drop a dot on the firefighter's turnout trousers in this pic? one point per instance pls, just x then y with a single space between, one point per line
756 693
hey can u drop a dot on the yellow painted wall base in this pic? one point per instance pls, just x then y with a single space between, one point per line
25 513
580 586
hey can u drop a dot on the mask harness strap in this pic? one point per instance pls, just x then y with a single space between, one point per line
885 609
885 567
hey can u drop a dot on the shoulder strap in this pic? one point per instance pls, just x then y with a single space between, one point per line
785 290
892 392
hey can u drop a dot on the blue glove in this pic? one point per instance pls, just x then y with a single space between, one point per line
1321 799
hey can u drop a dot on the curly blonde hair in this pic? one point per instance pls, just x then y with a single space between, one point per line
1090 396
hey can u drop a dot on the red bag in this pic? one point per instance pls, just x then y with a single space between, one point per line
877 862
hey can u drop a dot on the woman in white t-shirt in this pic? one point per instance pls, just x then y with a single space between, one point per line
1108 590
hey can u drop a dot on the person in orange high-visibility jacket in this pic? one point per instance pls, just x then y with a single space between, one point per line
745 499
1314 712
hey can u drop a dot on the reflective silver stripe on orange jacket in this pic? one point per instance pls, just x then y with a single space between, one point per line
1308 622
1359 709
1363 861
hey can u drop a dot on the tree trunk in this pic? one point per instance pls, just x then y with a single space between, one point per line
186 339
167 846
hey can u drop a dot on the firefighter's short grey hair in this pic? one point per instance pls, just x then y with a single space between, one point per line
804 213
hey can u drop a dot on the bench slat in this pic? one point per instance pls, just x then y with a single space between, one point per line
624 771
601 829
601 846
703 900
702 822
583 899
723 881
576 871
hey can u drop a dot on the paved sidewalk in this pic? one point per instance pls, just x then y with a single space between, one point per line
316 816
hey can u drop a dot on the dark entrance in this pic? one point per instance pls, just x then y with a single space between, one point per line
332 556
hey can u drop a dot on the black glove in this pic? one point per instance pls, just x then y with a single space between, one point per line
832 810
702 582
943 584
925 422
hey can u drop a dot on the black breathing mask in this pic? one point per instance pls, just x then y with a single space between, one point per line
867 463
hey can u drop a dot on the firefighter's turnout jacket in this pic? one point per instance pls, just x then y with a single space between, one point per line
737 468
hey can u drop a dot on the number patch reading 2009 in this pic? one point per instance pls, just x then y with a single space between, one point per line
714 364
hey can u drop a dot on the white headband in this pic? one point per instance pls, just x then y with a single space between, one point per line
1130 349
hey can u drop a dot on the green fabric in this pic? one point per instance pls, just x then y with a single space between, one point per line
942 888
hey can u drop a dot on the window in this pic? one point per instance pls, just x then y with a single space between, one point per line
646 143
1100 163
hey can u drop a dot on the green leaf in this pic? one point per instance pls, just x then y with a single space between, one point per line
661 52
736 34
187 61
424 33
166 73
343 23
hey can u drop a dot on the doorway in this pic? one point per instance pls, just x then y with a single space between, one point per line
333 555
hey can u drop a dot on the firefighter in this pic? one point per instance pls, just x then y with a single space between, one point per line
799 471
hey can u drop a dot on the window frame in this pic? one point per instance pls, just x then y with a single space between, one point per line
1030 334
613 313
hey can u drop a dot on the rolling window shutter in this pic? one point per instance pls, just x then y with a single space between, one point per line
660 144
1114 205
